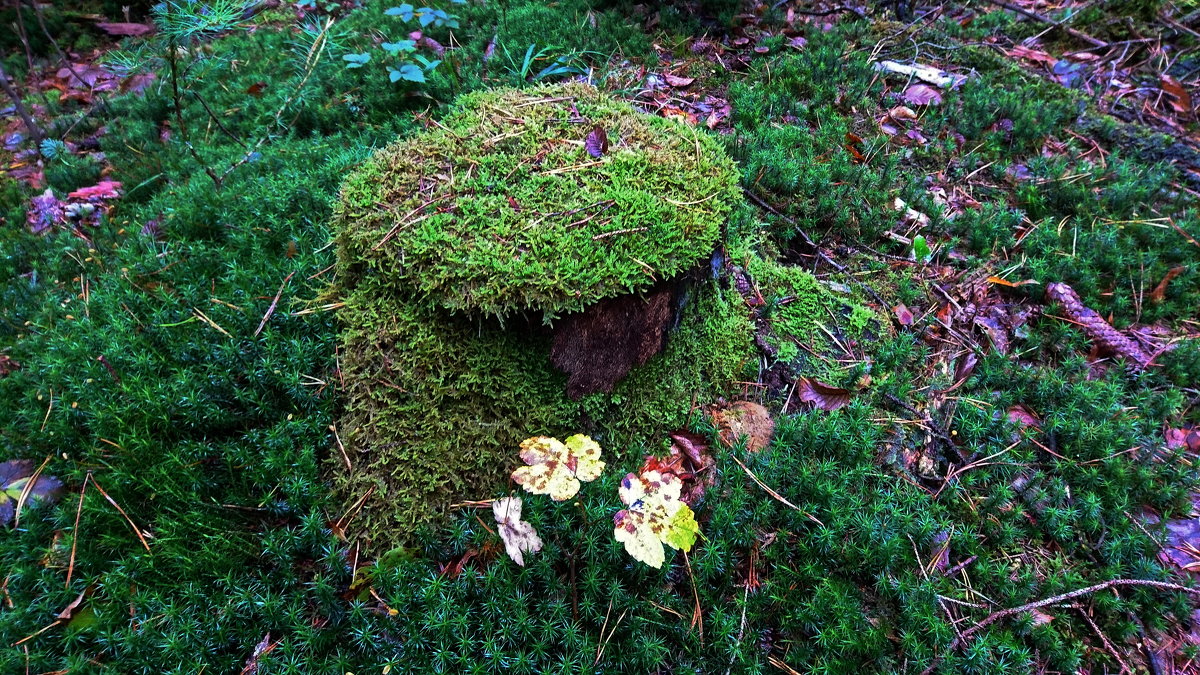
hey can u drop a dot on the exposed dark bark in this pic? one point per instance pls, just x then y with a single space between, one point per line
599 346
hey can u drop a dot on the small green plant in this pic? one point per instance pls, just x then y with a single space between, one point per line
402 62
426 16
531 68
920 249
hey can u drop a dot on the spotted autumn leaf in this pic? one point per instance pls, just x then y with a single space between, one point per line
654 515
519 536
555 467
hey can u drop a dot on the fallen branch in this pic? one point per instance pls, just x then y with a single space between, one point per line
1080 35
992 618
35 132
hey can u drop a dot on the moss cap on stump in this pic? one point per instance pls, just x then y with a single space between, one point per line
502 208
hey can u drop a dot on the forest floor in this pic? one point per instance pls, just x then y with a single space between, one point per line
998 477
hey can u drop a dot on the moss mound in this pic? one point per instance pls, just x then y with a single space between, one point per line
458 247
501 209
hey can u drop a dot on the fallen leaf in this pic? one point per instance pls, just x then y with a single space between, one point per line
1160 291
1030 54
7 365
911 215
1010 284
1181 100
105 189
821 395
743 418
519 536
691 460
676 81
264 647
555 468
596 142
921 94
1039 617
1184 437
996 332
69 611
674 113
655 515
45 212
257 88
904 315
1022 416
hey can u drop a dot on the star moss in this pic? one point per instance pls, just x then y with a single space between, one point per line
501 209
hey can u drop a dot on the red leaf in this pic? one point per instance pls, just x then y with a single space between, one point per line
596 143
105 189
904 315
821 395
257 88
921 94
1023 417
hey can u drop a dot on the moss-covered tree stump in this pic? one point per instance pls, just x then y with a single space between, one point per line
504 277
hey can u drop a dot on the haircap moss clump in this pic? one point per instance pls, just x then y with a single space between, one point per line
465 250
501 209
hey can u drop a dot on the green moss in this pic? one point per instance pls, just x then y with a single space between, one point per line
805 316
522 225
501 210
437 403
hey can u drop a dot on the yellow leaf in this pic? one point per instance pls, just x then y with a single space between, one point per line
682 529
555 468
655 515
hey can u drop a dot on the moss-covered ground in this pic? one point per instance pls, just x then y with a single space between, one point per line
180 364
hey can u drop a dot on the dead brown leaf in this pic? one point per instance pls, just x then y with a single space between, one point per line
1181 100
677 81
1160 291
743 418
1032 55
821 395
1183 437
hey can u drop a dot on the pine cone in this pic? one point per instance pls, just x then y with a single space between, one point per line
1096 327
